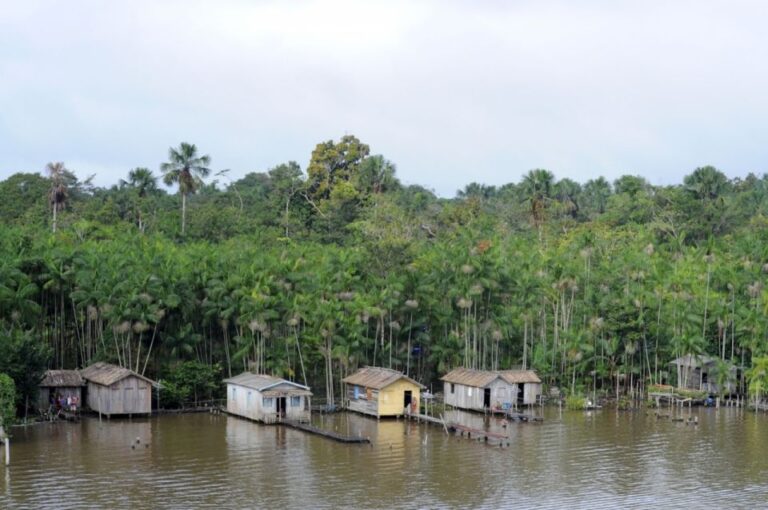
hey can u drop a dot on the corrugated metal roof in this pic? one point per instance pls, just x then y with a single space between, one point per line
61 379
107 374
377 378
482 378
262 382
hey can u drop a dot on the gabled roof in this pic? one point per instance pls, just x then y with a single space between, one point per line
263 383
107 374
378 378
61 379
693 360
482 378
520 376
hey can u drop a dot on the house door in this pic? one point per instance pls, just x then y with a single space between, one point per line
281 407
487 397
407 398
521 393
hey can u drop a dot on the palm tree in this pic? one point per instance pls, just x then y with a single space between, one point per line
186 168
58 194
568 192
598 190
537 189
706 183
142 182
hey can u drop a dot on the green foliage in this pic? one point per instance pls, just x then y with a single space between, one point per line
575 402
24 358
190 382
7 401
309 276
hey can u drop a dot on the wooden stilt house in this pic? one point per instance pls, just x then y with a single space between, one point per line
267 399
61 389
479 390
114 390
381 392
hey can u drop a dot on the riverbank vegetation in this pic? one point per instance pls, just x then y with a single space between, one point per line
308 275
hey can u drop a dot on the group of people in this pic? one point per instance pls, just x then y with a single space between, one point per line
68 403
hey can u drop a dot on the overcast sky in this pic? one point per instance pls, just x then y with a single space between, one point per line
451 92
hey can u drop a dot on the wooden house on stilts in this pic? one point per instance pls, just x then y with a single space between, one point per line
381 392
267 399
61 389
481 390
114 390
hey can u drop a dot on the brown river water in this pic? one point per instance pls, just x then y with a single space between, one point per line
597 459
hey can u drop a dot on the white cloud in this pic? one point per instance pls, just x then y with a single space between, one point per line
452 92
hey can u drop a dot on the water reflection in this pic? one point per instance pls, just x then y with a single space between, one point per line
602 459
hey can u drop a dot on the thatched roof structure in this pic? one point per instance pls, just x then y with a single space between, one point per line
107 374
61 379
377 378
482 378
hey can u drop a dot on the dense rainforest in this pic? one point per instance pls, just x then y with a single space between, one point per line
309 274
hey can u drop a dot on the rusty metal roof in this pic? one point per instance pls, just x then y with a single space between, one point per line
263 382
107 374
482 378
61 379
377 378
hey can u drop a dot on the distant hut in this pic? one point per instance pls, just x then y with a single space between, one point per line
382 392
478 390
114 390
62 389
267 399
699 372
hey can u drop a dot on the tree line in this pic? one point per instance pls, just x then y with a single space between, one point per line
309 275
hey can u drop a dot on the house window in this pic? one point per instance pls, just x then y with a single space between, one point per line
233 393
295 401
267 402
453 388
469 392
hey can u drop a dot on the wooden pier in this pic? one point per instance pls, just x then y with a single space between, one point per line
479 434
325 433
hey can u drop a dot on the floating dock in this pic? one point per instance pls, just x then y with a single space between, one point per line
325 433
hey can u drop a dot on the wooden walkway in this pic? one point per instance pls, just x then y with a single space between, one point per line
325 433
479 434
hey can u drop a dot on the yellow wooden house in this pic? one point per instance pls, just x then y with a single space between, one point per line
378 391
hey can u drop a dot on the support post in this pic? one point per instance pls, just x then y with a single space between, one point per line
7 442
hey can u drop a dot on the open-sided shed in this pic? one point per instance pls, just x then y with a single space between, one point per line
59 387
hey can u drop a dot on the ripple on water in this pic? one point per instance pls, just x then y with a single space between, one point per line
577 460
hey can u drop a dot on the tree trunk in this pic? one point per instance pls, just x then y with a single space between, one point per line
183 212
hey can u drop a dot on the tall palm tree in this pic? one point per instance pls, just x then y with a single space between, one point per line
706 183
537 189
58 194
185 168
598 190
142 182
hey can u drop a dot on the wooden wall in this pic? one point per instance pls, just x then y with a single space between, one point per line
130 395
385 402
250 403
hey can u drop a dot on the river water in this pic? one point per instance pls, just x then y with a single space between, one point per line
598 459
